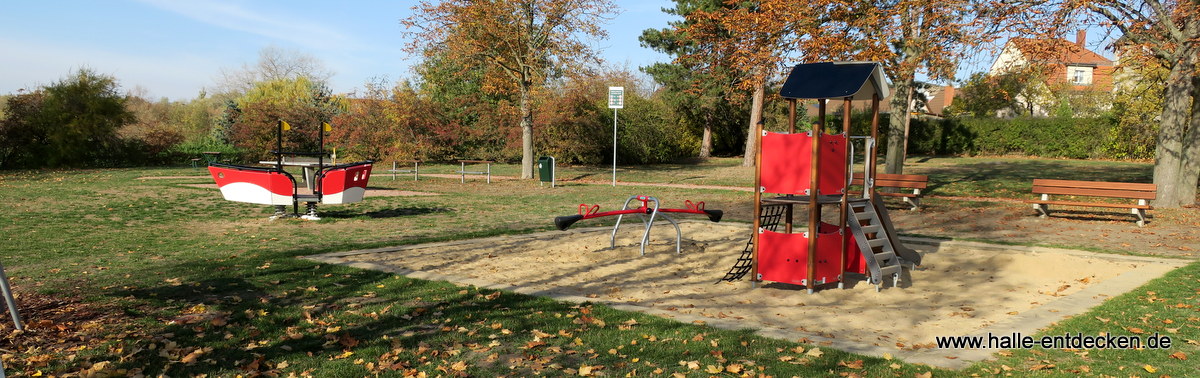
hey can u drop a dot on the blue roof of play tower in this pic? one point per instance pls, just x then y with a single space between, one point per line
858 80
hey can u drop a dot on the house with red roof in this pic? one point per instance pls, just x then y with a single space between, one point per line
1064 65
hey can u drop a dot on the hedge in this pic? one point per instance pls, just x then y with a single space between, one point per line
1075 138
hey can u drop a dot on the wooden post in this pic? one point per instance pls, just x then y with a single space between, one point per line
791 116
814 206
791 130
845 204
871 158
758 130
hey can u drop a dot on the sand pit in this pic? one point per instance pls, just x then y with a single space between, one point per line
962 289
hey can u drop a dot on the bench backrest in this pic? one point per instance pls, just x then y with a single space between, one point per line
1096 188
894 180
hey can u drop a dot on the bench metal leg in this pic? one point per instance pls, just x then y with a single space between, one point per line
1043 208
914 202
1141 213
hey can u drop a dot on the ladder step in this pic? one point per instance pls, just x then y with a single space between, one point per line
884 257
866 215
874 228
876 242
889 270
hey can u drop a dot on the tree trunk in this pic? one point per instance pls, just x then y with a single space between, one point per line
1169 155
1189 177
526 133
756 109
706 138
898 126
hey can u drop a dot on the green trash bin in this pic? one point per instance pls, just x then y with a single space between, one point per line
546 169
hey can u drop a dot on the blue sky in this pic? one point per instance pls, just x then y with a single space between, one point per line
176 48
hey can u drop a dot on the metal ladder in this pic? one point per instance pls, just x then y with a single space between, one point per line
769 219
873 239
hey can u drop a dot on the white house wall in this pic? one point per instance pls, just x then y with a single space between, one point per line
1009 58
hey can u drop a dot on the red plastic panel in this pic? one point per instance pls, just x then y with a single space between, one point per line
345 185
784 257
340 179
784 167
253 186
786 163
274 182
833 164
855 263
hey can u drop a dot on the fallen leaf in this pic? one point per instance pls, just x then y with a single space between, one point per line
814 352
1179 356
1149 369
586 370
734 368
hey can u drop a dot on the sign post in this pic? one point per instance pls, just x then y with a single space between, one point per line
616 100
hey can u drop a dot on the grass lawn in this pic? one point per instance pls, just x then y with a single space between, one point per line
122 275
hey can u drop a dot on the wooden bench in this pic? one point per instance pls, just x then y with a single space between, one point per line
416 167
888 180
1126 190
463 172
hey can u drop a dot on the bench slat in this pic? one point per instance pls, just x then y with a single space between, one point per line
897 181
889 194
892 176
1094 192
894 183
1096 185
1093 204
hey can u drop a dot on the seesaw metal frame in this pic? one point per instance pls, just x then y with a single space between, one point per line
646 208
648 223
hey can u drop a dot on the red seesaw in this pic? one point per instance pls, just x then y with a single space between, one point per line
589 212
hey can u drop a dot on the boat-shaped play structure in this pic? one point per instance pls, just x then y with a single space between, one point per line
272 185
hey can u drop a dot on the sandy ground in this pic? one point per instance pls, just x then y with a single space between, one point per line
956 292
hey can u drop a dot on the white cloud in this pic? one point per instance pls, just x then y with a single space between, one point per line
178 76
279 26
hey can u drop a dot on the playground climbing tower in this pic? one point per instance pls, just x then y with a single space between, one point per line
811 171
